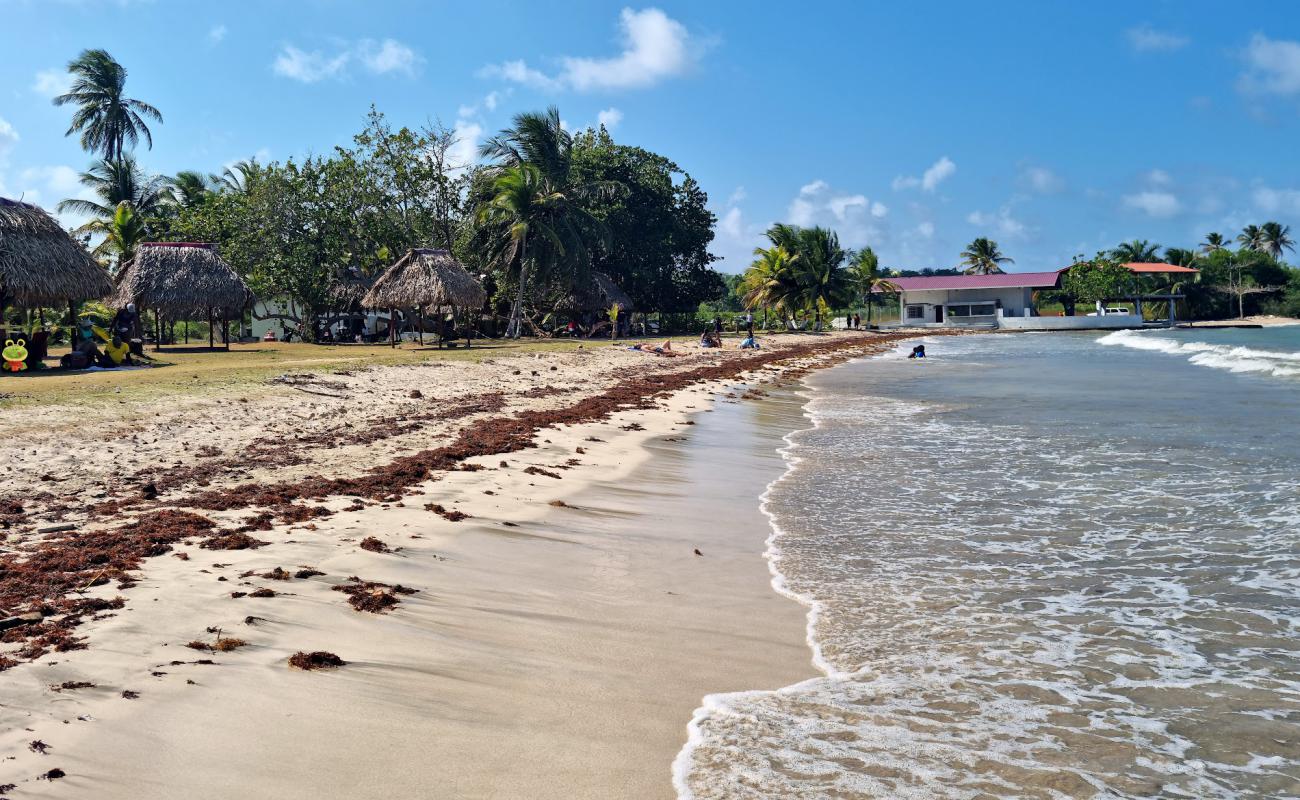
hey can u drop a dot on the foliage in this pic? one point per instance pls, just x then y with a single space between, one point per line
107 120
982 257
1101 278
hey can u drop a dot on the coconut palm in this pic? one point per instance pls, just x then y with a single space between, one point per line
1251 238
1138 251
115 182
865 278
1275 237
535 226
770 280
123 231
1179 256
982 257
107 120
189 189
236 177
1213 242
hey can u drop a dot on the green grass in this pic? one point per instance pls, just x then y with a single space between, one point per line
182 371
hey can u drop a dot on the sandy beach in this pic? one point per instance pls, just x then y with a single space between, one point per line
559 634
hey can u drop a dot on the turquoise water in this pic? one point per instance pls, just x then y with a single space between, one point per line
1041 566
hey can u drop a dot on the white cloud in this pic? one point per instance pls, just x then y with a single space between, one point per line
1001 222
936 174
387 56
465 151
1041 180
610 118
1273 66
8 138
52 82
1277 201
1158 177
216 33
732 223
655 47
737 196
925 229
309 67
378 58
1154 203
490 102
854 217
1145 39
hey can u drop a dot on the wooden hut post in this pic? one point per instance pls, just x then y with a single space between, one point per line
211 342
419 315
157 330
392 329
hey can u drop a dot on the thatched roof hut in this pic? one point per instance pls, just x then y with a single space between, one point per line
350 287
184 279
599 295
40 264
427 279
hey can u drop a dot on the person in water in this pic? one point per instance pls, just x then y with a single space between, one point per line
918 351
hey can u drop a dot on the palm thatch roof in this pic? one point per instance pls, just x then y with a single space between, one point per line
183 279
350 288
40 264
599 295
425 278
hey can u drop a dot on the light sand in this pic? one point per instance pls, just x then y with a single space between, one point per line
558 658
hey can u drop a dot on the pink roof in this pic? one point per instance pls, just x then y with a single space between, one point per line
1005 280
1137 266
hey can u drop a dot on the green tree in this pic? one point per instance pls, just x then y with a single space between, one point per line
866 279
1275 238
116 182
1179 257
1104 277
1214 241
770 282
189 188
1138 251
107 120
1251 238
982 257
817 270
123 233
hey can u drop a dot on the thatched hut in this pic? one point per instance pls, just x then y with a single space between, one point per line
186 280
40 264
599 295
425 279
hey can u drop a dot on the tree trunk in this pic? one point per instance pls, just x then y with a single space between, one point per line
515 327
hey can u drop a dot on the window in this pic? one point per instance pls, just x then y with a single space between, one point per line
972 310
916 312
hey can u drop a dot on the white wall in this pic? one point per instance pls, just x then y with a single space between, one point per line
1014 301
1108 322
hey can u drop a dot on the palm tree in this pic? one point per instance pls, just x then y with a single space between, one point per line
123 231
770 280
865 278
1275 237
1251 238
1213 242
536 226
536 206
115 182
982 257
189 189
237 177
1138 251
818 271
1179 256
107 120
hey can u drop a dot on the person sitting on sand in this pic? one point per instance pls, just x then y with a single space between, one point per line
749 343
710 339
85 353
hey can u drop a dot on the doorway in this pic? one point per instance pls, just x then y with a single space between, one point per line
938 314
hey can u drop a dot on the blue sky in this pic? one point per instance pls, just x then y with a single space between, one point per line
1055 128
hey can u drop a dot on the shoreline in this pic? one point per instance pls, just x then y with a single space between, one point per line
516 499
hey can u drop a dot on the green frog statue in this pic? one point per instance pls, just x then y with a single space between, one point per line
15 355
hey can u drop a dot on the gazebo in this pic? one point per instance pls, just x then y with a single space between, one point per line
41 265
187 279
424 278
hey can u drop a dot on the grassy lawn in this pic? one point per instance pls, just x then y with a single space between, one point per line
196 371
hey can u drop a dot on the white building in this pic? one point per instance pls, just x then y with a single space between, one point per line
1006 300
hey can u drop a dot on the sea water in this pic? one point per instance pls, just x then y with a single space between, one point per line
1036 566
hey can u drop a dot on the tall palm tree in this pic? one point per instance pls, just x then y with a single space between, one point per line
770 280
237 177
123 231
537 207
982 257
115 182
1138 251
1251 238
188 188
818 269
1275 237
107 120
1213 242
1179 257
536 226
865 277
